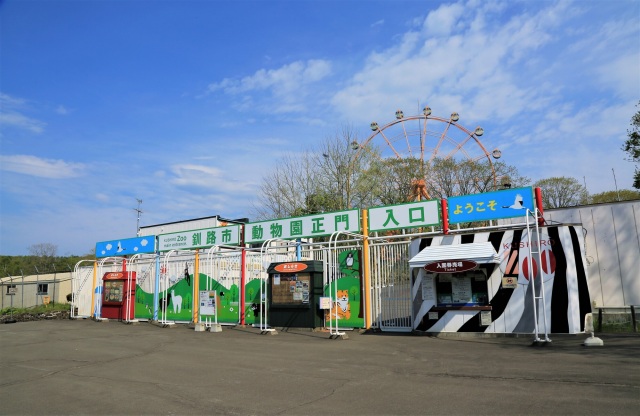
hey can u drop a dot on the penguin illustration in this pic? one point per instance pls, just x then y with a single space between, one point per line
349 260
186 274
119 248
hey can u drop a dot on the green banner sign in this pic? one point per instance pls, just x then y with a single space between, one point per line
208 237
303 227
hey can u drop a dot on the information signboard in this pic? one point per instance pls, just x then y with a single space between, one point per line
126 246
409 215
303 227
486 206
290 289
208 302
208 237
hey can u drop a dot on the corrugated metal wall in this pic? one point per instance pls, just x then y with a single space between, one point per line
612 247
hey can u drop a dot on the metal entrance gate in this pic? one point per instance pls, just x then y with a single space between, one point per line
390 285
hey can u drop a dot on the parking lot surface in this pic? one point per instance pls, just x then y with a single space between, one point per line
87 367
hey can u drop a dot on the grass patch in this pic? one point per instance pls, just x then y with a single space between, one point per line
34 310
621 327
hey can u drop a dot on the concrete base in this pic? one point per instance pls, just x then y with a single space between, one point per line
541 342
215 328
593 342
163 325
199 327
132 322
101 319
269 332
339 336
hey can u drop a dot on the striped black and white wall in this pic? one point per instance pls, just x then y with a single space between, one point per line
564 272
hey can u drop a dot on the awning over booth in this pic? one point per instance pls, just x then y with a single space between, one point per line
481 253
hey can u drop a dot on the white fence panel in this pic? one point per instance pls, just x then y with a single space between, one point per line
391 285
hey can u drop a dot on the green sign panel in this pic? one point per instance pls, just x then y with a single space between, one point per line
303 227
208 237
409 215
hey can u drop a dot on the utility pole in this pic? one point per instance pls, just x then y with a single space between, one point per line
616 183
138 221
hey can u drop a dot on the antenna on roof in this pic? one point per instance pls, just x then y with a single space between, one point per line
138 221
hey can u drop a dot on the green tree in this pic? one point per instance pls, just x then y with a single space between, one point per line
613 196
632 146
340 174
325 178
561 191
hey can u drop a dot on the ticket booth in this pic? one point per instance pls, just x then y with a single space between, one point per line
294 291
118 295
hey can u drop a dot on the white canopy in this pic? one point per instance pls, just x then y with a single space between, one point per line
481 253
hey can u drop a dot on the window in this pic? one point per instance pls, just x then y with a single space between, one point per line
43 288
11 289
462 289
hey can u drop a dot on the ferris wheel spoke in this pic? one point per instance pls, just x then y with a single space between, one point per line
406 138
458 146
442 137
423 138
390 145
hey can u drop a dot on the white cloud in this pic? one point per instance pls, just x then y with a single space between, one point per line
205 177
12 115
288 87
21 121
62 110
45 168
443 20
195 175
288 78
520 73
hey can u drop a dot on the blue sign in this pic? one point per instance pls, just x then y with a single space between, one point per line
508 203
126 247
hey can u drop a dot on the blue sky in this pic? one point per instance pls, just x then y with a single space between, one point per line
184 104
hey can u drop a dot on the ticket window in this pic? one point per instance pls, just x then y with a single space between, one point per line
462 289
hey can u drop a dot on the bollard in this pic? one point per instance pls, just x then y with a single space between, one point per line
600 320
592 341
633 319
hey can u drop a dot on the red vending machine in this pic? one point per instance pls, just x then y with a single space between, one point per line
119 295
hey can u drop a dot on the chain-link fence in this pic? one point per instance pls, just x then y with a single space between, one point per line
35 290
624 319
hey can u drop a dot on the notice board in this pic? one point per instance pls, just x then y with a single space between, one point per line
290 289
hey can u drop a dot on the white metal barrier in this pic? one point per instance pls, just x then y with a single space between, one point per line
223 267
173 270
270 253
105 265
390 284
144 266
333 273
81 290
533 276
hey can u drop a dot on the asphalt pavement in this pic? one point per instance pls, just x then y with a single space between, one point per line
84 367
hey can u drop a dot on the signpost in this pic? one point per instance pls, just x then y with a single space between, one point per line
409 215
194 239
495 205
126 246
316 225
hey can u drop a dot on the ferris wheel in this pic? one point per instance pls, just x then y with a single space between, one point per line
424 138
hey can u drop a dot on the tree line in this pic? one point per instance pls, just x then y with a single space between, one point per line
338 173
42 259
